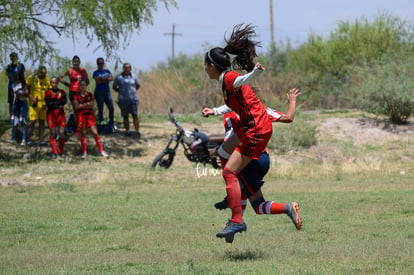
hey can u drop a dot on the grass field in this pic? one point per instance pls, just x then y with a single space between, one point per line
117 216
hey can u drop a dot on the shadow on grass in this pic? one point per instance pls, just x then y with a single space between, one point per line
4 126
239 256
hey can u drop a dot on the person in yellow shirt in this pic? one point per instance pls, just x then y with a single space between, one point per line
37 86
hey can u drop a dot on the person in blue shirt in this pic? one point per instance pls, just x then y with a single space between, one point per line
103 93
14 67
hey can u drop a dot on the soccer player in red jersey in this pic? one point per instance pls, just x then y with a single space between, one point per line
55 101
75 75
251 139
83 102
251 177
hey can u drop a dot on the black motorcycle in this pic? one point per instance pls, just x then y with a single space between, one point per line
196 146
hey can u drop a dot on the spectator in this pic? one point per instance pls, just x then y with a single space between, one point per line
36 86
75 74
19 108
103 93
83 102
14 67
127 86
55 101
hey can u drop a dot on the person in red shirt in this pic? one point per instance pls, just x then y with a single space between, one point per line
55 101
75 74
251 177
251 139
83 102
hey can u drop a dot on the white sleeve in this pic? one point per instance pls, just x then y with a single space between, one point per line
246 79
223 109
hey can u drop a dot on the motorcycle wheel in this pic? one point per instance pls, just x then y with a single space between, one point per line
216 164
164 159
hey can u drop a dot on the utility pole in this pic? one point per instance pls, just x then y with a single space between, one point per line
272 35
173 34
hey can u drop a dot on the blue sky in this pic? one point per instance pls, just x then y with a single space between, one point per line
203 23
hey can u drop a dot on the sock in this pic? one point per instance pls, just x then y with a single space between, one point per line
61 144
52 141
243 203
83 144
98 143
233 195
270 207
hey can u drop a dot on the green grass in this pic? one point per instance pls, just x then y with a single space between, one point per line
167 225
117 216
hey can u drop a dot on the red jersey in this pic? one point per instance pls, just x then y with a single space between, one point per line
83 99
245 103
55 102
75 77
256 125
85 117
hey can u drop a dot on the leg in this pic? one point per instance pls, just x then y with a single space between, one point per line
99 97
30 128
109 103
83 142
136 122
235 164
126 123
52 140
61 140
41 129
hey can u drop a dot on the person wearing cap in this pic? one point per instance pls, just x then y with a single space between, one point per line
14 67
127 85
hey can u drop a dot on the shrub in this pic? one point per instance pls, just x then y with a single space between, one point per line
288 137
387 87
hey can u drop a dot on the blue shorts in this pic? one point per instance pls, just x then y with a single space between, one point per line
128 107
251 177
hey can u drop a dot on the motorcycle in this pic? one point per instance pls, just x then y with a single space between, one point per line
195 143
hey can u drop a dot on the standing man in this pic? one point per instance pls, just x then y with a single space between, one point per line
14 67
37 85
103 93
127 86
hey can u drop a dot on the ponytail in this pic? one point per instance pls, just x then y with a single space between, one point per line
241 45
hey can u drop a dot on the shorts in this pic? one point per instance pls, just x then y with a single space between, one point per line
56 118
253 144
86 120
128 107
37 113
251 177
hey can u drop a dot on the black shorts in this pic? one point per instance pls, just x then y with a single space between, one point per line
251 177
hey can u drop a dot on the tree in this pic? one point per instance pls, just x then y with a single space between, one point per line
26 25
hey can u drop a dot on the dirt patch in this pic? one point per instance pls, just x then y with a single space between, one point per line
363 130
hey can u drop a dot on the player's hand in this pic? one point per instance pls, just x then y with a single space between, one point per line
259 66
293 94
207 112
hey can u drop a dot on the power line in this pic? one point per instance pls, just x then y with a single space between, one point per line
173 34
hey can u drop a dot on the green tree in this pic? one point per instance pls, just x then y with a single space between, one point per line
26 25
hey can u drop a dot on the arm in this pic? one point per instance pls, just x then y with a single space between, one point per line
290 114
223 109
248 78
61 80
115 85
86 77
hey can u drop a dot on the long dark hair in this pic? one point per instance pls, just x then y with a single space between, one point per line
239 44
